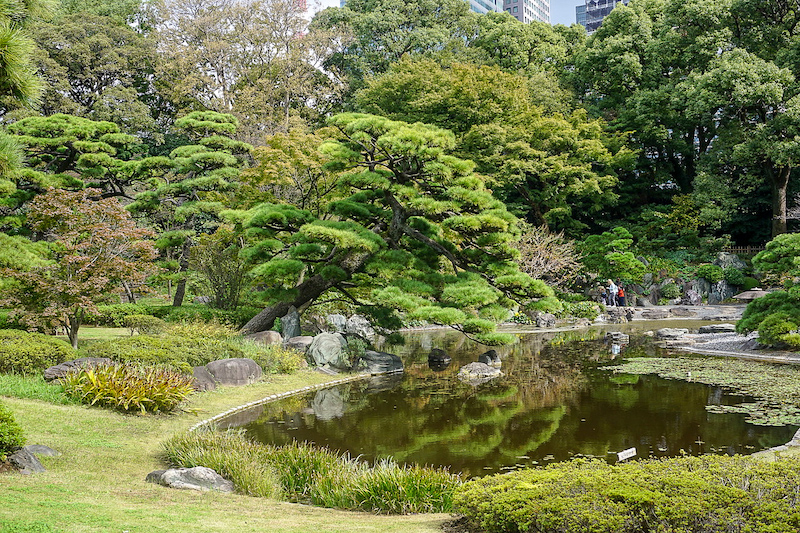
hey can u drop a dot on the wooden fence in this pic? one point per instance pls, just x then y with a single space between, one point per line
743 250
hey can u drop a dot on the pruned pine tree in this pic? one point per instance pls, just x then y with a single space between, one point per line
419 236
191 186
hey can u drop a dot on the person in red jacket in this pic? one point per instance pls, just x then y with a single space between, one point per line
621 296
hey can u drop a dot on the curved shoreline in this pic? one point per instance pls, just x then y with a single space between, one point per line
280 396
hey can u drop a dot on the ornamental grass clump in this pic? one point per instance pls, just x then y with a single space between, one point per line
308 474
129 388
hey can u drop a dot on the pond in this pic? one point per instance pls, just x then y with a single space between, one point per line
553 403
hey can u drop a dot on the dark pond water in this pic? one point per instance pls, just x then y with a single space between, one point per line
555 402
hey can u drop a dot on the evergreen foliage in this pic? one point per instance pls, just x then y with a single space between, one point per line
22 352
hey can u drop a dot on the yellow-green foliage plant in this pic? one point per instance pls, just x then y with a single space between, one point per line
129 388
691 494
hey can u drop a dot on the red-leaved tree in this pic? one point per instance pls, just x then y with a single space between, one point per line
93 247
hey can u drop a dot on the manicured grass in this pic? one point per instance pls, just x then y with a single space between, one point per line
33 388
97 484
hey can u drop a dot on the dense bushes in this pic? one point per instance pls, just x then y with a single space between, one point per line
28 353
784 302
178 352
11 436
186 345
303 473
129 387
114 315
711 273
699 494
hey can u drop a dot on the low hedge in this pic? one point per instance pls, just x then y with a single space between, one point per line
692 494
175 351
115 315
22 352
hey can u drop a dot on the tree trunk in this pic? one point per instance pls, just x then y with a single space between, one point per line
780 184
180 289
129 292
308 291
72 326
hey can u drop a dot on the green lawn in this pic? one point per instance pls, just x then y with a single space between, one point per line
97 484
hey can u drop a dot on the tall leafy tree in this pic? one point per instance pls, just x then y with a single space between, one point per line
92 247
552 169
256 60
191 187
418 233
379 32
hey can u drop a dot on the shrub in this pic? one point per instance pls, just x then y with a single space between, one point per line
670 291
200 312
787 302
28 353
548 304
708 493
113 315
584 309
305 473
144 324
733 276
749 283
129 387
177 352
780 329
711 273
276 359
11 436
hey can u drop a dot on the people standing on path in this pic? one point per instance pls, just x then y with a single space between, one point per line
612 293
603 295
621 296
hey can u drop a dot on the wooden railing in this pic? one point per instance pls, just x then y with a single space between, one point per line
743 250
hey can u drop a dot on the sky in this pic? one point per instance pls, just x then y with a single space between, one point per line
561 11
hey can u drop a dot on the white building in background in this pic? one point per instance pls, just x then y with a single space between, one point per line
522 10
528 10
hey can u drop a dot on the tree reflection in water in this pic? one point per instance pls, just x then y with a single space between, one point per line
552 404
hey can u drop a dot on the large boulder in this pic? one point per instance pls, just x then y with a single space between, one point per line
202 380
290 324
236 371
329 349
336 323
545 320
197 478
490 357
721 292
477 373
378 363
671 333
655 314
358 325
718 328
59 371
25 462
41 450
438 360
728 260
267 338
300 343
692 297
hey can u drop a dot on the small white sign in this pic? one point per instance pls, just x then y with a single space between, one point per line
626 454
